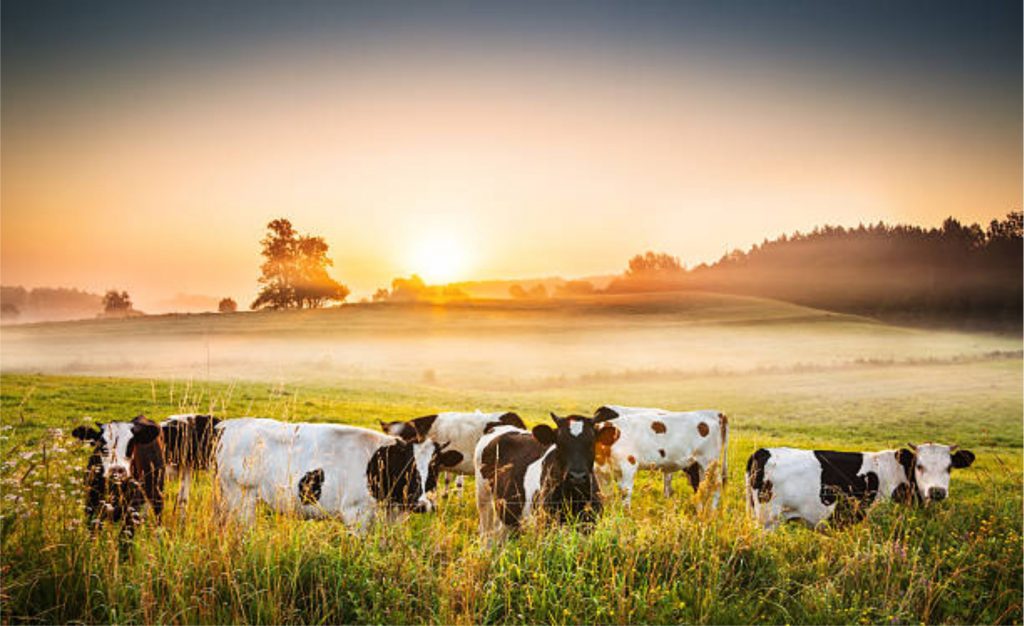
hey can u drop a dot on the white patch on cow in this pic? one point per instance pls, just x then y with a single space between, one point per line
114 458
422 453
575 427
532 481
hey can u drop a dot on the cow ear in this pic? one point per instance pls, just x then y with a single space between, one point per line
544 434
450 458
86 433
604 414
384 426
963 458
558 420
423 426
512 419
608 435
144 431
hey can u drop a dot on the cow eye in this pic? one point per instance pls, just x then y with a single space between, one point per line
920 468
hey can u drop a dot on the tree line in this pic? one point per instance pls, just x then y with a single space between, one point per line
955 272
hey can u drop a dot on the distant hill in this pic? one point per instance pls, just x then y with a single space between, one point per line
956 275
48 304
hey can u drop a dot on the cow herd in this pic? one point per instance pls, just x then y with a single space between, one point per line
561 469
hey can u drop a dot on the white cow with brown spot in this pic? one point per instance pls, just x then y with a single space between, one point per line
669 441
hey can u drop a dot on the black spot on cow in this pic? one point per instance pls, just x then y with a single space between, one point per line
693 473
604 414
907 492
755 471
191 442
392 474
661 452
310 486
659 427
841 485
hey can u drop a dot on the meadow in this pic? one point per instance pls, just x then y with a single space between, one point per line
784 375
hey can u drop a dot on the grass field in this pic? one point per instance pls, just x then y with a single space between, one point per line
783 374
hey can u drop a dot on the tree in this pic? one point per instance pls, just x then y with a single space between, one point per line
227 305
294 270
576 288
115 303
381 295
653 263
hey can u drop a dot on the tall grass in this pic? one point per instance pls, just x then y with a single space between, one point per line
666 561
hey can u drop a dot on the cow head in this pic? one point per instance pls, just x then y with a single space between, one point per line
575 438
928 467
404 473
415 429
116 442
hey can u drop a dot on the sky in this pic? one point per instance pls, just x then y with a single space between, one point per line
145 146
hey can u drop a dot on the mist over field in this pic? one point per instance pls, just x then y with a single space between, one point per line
490 344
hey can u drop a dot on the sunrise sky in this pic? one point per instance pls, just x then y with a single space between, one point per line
146 146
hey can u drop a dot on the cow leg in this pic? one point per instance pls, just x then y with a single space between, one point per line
485 507
627 472
183 488
667 480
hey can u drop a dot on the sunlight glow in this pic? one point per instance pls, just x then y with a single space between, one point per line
438 258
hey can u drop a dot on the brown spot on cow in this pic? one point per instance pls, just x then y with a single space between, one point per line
703 429
662 453
658 427
764 494
631 459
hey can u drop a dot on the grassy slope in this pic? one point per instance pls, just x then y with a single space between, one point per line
663 562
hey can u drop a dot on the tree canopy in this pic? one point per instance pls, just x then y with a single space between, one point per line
294 271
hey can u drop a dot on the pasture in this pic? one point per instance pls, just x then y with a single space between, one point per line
785 375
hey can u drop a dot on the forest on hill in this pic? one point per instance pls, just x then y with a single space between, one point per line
956 274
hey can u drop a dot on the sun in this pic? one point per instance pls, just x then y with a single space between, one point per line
438 259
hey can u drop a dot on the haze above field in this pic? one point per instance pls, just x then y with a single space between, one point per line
495 345
146 146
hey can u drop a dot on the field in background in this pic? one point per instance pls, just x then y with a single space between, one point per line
783 374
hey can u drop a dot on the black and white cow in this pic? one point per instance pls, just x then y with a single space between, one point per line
324 470
189 444
462 431
124 471
667 441
519 472
815 486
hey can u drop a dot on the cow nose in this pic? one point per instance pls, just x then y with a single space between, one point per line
578 477
118 473
936 494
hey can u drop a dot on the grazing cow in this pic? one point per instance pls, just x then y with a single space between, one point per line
461 430
814 486
125 470
189 442
325 470
519 472
664 440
